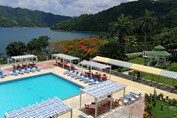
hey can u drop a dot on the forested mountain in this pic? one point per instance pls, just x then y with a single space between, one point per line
164 10
18 17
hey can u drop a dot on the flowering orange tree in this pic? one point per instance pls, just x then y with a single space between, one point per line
84 48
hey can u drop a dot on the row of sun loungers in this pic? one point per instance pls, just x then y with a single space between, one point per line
130 98
25 70
21 71
82 77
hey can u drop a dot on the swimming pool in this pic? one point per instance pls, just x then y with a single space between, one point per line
18 93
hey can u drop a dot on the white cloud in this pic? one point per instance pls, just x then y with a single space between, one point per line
64 7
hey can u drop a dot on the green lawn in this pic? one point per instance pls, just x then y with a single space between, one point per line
167 81
167 112
159 79
138 60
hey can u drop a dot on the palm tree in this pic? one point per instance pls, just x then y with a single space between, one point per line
121 28
147 24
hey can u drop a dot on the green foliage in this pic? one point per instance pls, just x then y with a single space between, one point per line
17 17
39 44
16 48
165 11
167 38
121 28
156 111
136 60
113 50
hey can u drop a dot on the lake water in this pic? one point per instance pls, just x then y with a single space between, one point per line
8 35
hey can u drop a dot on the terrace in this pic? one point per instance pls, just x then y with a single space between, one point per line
124 111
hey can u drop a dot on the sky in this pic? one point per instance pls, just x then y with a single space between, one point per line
64 7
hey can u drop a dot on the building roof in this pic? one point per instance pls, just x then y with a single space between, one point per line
155 53
103 89
23 57
65 57
43 109
94 64
138 67
159 47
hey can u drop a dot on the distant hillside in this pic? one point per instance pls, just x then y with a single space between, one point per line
165 10
18 17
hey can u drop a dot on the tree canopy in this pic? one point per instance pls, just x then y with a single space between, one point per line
39 44
16 48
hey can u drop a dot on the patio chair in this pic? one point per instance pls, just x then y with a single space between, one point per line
14 72
74 74
105 104
66 72
90 110
117 102
26 70
20 71
2 75
136 95
32 69
37 68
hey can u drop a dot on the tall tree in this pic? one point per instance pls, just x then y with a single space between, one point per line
16 48
121 28
147 24
40 44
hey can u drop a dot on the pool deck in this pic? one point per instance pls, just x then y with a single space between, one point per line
121 112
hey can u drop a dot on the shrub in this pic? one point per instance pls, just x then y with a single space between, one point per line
146 115
148 108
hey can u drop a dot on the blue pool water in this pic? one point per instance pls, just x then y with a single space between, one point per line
15 94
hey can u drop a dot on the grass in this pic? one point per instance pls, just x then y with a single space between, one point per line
138 60
159 79
167 112
167 81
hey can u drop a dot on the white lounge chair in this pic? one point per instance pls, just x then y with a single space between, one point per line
20 71
32 69
136 95
130 97
78 76
2 75
83 77
14 72
26 70
37 68
93 81
124 100
66 72
74 74
86 80
71 72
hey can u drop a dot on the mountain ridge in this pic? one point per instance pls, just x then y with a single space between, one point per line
165 10
22 17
